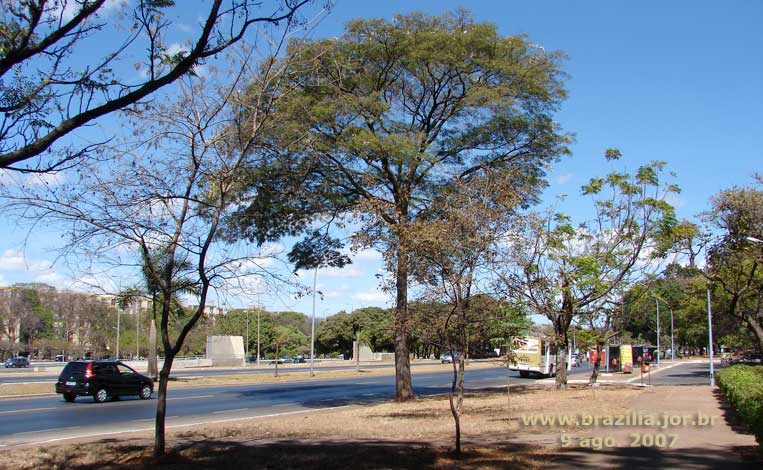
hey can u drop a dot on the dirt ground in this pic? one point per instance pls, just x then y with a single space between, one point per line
417 434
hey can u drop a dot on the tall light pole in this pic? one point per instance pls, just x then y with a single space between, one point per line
119 311
710 336
312 329
672 344
246 345
657 303
259 308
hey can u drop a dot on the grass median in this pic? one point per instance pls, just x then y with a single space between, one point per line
417 434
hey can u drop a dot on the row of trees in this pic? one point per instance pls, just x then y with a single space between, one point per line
46 323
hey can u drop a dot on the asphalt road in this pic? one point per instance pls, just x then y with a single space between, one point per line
11 376
685 373
50 419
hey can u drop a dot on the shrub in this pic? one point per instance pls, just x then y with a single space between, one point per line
743 387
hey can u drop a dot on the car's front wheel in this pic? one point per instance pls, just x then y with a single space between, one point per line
145 392
69 397
101 395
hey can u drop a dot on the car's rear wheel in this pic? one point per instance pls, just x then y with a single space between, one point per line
145 392
101 395
69 397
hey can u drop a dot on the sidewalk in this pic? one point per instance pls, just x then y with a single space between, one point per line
706 438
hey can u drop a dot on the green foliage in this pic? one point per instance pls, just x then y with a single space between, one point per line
336 333
743 387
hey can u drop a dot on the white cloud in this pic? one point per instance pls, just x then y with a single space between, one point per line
334 273
368 254
675 200
14 260
565 178
108 8
371 296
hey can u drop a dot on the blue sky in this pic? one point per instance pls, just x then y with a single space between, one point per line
679 81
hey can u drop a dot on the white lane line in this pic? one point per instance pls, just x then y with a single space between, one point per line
191 398
141 420
230 411
286 404
369 394
173 416
21 411
47 430
185 425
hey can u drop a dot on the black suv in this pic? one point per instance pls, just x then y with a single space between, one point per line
102 380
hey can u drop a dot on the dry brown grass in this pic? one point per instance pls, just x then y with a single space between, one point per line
418 434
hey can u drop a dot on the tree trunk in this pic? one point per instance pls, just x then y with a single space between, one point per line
755 325
153 365
161 406
403 385
456 398
561 367
275 373
596 365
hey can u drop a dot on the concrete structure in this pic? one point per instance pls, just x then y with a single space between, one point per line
226 350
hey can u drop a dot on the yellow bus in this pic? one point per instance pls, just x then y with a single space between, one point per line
533 355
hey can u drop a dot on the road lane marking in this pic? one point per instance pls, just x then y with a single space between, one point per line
30 409
191 398
286 404
230 411
140 420
200 423
47 430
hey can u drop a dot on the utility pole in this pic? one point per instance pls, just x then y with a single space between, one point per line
119 311
710 336
672 343
312 329
259 308
137 331
657 302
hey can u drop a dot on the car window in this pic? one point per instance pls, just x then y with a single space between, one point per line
123 369
74 368
104 369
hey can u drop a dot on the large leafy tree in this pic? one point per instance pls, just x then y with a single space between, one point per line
378 120
560 270
735 255
46 91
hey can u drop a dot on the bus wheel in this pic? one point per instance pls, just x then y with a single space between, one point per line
524 374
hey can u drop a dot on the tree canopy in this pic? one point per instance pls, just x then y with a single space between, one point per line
373 124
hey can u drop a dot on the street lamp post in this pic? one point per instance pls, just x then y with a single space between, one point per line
119 311
672 344
312 329
657 303
259 308
710 336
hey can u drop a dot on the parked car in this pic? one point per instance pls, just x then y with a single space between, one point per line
15 362
280 360
298 360
447 358
102 380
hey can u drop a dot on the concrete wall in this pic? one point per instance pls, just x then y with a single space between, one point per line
226 350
